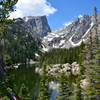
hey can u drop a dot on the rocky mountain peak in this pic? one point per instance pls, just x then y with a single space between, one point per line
38 24
71 35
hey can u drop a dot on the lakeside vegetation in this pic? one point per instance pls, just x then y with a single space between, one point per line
18 47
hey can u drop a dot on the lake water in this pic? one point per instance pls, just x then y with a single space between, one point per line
24 82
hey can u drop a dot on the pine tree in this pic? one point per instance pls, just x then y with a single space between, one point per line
96 57
77 87
6 6
91 64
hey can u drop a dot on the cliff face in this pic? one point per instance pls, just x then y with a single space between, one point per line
39 25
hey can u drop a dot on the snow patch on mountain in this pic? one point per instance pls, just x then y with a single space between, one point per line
92 24
71 35
83 37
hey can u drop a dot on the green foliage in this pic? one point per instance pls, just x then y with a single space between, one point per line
44 92
66 89
16 46
61 56
7 59
19 44
91 63
6 98
6 6
23 82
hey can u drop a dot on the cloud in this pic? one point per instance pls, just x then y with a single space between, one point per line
32 8
67 23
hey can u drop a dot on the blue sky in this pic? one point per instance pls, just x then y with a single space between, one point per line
59 12
69 10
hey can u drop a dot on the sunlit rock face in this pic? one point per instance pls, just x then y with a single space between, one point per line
75 68
57 69
38 24
73 34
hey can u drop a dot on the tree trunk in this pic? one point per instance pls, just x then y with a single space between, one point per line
2 70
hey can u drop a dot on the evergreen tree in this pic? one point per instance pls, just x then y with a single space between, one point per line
96 57
6 6
91 63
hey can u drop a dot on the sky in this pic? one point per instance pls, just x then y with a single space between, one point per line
58 12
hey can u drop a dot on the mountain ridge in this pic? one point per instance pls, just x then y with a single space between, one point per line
37 25
72 35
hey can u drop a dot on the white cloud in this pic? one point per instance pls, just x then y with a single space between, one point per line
32 8
67 23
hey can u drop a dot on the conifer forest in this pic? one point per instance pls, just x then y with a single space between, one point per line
37 63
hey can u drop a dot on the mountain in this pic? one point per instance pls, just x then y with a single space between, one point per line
71 35
36 25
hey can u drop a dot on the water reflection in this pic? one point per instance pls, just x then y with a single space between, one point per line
54 94
54 86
